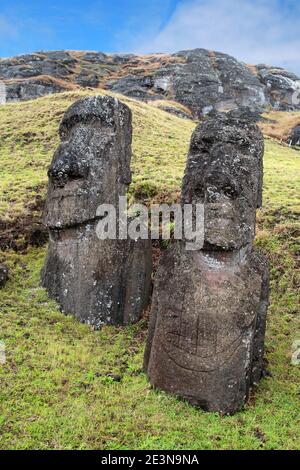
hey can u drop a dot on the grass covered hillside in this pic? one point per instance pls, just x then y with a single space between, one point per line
65 386
29 135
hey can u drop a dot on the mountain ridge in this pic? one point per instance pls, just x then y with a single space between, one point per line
201 80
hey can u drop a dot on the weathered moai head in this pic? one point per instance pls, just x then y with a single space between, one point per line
224 172
92 164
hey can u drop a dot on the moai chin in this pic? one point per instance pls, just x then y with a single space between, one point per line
98 281
208 315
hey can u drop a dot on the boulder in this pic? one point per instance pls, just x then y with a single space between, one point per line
282 87
23 90
4 274
294 138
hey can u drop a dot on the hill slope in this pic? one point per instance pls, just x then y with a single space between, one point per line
29 134
65 386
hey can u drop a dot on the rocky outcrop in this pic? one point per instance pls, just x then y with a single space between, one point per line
99 280
208 315
53 64
23 90
294 138
243 113
282 87
31 76
199 79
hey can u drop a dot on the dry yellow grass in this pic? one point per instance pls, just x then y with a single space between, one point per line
67 85
162 104
252 68
281 129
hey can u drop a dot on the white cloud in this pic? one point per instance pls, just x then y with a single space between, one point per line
255 31
7 29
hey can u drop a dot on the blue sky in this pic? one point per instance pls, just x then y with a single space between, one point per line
255 31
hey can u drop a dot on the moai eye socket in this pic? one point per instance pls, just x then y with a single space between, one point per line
230 191
219 184
199 191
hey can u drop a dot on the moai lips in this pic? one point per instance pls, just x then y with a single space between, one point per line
207 323
98 281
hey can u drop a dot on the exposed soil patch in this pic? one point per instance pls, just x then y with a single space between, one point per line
22 232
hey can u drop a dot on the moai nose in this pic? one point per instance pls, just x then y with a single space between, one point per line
66 167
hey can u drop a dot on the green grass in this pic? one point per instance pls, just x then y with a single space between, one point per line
56 389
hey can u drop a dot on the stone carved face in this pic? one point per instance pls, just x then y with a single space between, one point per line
224 172
92 164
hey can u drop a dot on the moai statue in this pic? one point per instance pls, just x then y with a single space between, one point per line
207 324
98 281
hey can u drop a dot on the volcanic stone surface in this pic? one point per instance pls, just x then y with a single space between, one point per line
200 79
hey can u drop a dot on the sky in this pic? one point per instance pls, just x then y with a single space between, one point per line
254 31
